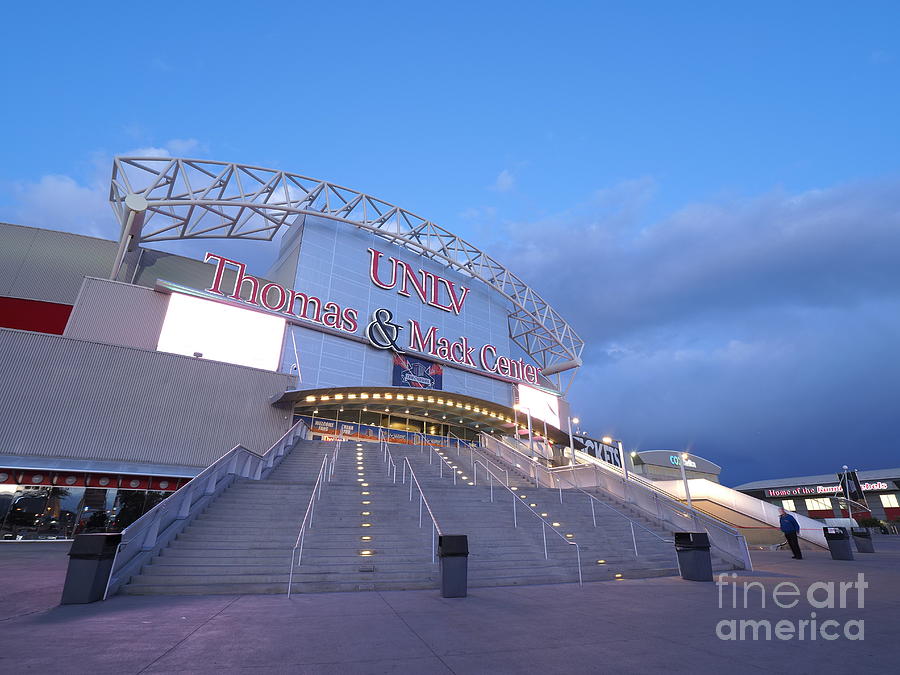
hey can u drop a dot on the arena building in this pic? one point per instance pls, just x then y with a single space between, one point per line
127 369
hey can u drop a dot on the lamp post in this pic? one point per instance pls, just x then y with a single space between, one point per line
687 490
571 440
846 482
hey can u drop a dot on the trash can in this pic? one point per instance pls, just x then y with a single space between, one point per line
862 537
453 550
90 562
838 539
693 556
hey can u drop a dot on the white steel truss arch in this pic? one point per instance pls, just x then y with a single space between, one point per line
198 198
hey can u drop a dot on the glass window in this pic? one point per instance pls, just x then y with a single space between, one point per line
822 504
25 513
889 501
788 504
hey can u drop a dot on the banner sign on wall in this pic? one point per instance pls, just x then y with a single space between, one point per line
600 450
332 430
412 372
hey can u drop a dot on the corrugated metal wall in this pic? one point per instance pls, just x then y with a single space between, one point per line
61 397
118 314
49 265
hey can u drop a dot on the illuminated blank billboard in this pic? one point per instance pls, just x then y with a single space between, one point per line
221 332
541 405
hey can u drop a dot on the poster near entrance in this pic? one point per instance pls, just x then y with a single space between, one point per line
410 371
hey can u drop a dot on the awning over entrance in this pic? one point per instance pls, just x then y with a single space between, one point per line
440 407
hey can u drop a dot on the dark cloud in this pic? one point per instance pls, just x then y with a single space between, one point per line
761 332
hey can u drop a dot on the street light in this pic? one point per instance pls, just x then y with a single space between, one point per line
571 441
687 490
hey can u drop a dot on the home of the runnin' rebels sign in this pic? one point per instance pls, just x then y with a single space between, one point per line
381 332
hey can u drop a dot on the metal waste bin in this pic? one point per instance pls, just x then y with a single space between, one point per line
90 562
453 550
838 539
862 537
694 559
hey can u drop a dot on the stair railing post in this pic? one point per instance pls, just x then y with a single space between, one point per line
420 508
491 481
515 521
633 539
404 473
593 515
544 534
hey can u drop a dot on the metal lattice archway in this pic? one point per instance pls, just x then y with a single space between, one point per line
160 199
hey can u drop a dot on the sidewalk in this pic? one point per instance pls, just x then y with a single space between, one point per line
647 625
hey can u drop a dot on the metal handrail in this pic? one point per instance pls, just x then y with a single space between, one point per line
388 459
544 525
334 456
307 520
161 524
661 500
698 513
436 529
631 521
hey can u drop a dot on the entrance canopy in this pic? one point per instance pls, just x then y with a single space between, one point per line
430 406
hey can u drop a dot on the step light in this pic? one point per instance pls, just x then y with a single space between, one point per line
532 505
366 553
523 496
570 536
366 537
619 575
601 562
365 513
365 524
555 524
365 492
366 501
364 484
471 483
545 515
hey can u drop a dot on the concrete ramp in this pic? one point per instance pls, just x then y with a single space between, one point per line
757 520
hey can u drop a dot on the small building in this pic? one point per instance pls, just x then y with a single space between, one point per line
666 465
811 495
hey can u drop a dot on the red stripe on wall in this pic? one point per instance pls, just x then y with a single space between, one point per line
34 315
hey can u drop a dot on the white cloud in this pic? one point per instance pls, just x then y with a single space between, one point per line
504 182
61 202
176 147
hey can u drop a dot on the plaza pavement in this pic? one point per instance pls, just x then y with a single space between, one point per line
627 626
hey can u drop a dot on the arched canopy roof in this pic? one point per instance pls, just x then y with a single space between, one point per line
194 199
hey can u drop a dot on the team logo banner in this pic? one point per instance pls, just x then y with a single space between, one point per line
412 372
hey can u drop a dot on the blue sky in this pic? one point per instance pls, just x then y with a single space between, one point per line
721 178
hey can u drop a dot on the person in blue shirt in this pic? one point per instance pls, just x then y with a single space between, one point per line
791 529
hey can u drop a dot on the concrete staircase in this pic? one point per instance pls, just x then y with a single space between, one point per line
501 554
243 542
365 533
